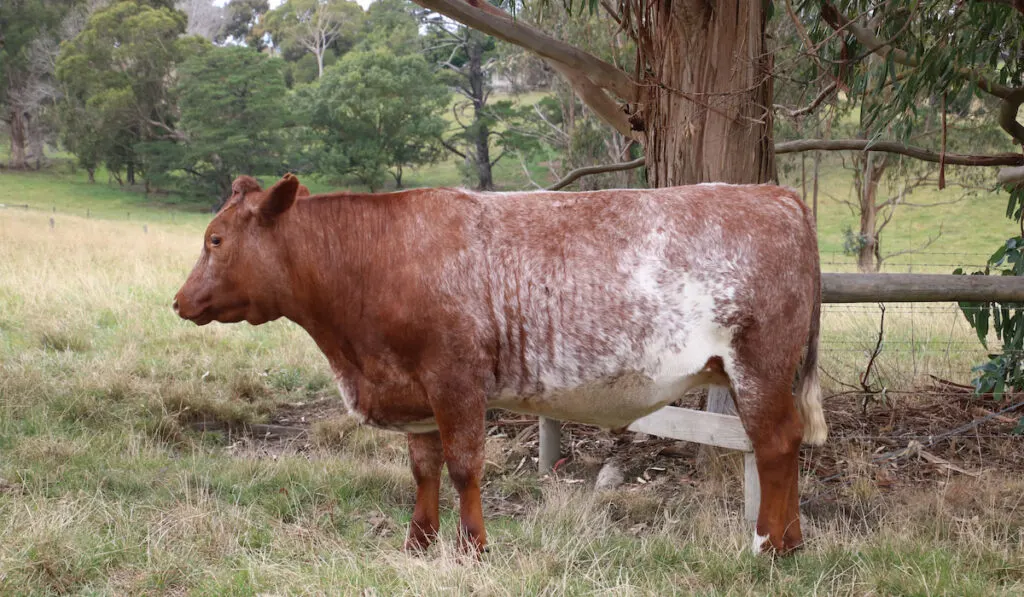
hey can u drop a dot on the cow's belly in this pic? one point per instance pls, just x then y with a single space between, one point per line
612 402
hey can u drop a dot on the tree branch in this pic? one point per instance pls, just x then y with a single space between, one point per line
1013 175
597 100
826 93
956 159
918 249
1008 114
171 132
452 149
864 35
588 170
489 19
526 171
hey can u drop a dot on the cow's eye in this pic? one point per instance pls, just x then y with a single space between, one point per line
214 240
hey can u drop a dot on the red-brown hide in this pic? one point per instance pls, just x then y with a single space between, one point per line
434 305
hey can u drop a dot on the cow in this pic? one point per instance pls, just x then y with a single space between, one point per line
434 305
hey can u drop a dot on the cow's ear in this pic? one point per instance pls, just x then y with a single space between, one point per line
303 191
279 197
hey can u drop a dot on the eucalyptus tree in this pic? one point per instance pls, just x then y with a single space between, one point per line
313 26
700 97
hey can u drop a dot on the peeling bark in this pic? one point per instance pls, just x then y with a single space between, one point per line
707 100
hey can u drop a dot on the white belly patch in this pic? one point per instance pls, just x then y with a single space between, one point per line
611 403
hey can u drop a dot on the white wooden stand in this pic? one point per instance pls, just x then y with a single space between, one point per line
686 424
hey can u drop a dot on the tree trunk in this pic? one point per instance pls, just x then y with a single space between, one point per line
708 117
868 250
481 133
131 173
320 64
92 174
34 129
18 133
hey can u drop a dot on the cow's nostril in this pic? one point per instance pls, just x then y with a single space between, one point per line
174 305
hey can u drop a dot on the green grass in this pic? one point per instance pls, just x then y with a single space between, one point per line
970 230
106 488
58 189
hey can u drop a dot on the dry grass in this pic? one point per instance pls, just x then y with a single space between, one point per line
106 489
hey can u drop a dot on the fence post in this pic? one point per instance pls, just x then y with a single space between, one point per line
550 443
751 487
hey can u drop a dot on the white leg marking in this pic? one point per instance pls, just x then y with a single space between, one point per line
348 399
759 541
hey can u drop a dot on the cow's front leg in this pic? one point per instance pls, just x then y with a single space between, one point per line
426 457
459 409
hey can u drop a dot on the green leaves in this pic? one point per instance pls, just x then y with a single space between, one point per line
375 113
116 74
1006 320
234 117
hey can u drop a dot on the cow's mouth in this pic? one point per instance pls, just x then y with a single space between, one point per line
204 313
198 317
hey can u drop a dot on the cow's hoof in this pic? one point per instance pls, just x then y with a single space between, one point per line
416 545
763 544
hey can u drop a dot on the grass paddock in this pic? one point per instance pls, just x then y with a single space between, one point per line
107 487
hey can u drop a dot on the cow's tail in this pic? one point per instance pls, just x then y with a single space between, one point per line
808 393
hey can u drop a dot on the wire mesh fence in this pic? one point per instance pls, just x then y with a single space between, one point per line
916 343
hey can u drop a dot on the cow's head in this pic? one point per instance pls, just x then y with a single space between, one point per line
241 273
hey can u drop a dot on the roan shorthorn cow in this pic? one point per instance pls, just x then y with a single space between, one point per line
434 305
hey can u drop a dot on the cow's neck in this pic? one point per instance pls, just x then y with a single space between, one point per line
326 242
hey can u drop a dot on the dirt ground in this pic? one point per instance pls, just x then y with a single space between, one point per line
877 445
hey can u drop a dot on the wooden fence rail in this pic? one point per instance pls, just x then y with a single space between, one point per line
726 430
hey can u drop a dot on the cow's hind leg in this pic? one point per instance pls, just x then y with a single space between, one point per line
769 415
426 457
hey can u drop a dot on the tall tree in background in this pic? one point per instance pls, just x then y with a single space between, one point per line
116 76
244 23
468 57
234 118
393 23
29 32
374 114
313 26
205 19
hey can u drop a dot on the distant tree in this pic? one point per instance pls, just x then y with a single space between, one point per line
116 75
29 32
244 23
205 18
376 113
393 23
314 26
233 118
466 57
